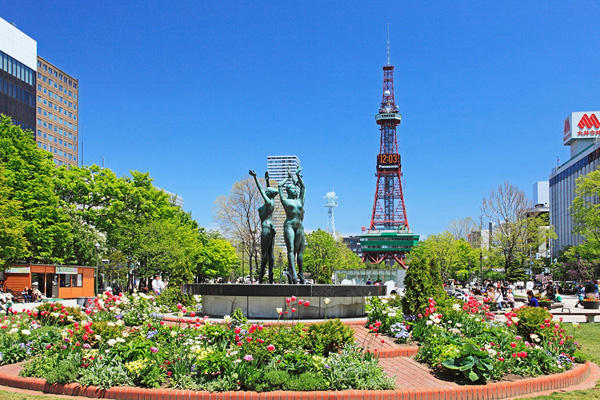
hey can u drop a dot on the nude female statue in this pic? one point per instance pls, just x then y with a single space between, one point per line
293 230
267 234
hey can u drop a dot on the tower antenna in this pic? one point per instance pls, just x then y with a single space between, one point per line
388 45
331 204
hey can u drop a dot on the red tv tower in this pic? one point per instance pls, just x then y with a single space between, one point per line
389 236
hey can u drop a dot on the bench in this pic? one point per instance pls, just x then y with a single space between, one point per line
17 296
590 317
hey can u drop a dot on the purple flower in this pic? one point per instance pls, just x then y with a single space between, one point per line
87 346
248 357
154 349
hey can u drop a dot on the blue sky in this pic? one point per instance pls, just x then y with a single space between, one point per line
197 93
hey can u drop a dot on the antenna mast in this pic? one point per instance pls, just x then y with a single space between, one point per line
388 45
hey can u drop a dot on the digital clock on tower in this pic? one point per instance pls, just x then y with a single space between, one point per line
388 162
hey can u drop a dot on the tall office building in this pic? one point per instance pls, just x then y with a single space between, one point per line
57 113
278 170
38 96
581 132
18 54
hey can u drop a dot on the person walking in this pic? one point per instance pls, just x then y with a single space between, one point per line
580 295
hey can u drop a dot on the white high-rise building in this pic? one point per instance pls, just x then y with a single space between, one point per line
581 132
278 170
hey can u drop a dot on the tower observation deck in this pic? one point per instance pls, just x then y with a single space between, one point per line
388 236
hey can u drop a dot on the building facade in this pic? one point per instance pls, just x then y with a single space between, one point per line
278 166
581 131
353 243
18 54
38 96
57 113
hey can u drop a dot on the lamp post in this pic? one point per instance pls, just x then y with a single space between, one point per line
97 247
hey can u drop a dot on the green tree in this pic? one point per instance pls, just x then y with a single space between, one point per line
517 231
422 281
13 244
30 174
585 211
321 256
217 258
238 219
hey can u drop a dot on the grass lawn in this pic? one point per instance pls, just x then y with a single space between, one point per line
587 334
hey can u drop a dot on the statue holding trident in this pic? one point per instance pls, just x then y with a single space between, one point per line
293 230
267 234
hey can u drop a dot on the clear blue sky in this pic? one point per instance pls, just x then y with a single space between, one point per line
198 92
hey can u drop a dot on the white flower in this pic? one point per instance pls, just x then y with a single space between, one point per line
125 334
537 339
327 300
119 322
575 324
13 331
456 307
279 310
492 352
459 325
97 337
227 319
173 333
384 301
429 322
180 314
120 340
26 332
112 342
110 323
533 336
392 314
515 319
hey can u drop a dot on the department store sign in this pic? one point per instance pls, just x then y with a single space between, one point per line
581 125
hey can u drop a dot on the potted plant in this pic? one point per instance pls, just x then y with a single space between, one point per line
545 302
591 302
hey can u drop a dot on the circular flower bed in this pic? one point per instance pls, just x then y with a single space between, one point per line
466 340
120 340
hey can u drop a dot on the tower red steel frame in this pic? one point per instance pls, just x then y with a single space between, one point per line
389 212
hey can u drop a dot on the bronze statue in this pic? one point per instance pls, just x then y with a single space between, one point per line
267 234
293 230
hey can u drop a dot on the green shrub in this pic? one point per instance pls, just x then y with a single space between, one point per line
530 321
66 370
173 296
422 281
329 336
105 374
306 381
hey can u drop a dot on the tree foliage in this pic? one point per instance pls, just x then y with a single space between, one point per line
29 176
238 219
323 254
585 211
422 281
450 255
62 214
517 229
13 244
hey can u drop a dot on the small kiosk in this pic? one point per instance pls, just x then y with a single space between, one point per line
54 281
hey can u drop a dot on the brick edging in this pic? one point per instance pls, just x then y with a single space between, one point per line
478 392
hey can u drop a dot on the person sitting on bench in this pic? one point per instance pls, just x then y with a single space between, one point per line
26 295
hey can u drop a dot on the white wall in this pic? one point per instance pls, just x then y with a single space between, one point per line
18 45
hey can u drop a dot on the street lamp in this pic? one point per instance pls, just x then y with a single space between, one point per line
97 247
